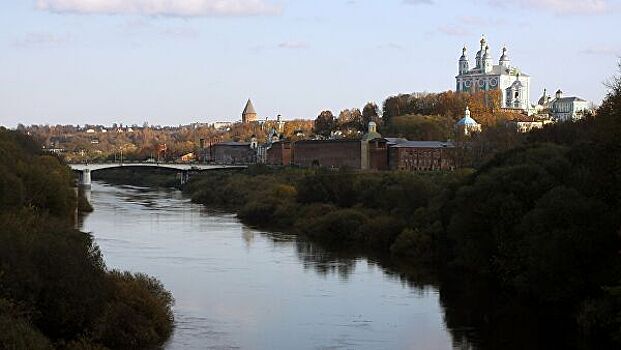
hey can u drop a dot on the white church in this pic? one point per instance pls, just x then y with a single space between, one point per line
485 76
514 86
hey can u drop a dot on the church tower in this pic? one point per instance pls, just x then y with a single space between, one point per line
487 61
463 62
480 53
505 62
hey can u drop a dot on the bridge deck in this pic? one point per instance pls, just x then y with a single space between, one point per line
185 167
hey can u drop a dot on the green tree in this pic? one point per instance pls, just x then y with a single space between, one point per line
325 124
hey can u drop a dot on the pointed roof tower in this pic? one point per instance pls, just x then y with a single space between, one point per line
249 114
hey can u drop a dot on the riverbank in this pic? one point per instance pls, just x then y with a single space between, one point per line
340 209
55 290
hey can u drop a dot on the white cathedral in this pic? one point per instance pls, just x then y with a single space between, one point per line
484 76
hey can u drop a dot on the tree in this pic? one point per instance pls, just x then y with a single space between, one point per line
370 113
324 124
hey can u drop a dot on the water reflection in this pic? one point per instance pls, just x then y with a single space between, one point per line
239 288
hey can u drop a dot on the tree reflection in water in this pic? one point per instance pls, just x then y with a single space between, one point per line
477 314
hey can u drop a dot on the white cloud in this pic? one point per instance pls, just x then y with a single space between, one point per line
178 8
292 45
453 30
418 2
560 7
602 51
392 46
41 39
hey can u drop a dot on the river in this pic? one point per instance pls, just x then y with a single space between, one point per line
239 288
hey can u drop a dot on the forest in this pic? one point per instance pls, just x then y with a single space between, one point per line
55 290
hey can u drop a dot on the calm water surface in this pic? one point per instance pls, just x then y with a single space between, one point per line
239 288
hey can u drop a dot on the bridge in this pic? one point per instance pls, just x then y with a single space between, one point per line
183 169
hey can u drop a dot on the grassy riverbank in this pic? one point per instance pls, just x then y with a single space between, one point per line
55 291
370 211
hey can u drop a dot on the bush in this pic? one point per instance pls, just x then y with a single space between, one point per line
338 228
412 244
138 315
380 232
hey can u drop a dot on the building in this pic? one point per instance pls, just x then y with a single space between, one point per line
249 115
189 157
420 155
485 76
221 125
232 153
466 125
523 123
563 108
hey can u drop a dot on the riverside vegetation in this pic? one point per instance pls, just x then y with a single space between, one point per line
541 222
55 290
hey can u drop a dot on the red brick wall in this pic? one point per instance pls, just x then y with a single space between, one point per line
421 159
378 155
280 153
328 153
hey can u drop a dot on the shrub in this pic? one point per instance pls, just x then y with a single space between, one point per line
338 228
413 244
139 314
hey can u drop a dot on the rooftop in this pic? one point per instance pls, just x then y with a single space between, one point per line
424 144
249 109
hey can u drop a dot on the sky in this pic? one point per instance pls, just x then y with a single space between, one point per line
171 62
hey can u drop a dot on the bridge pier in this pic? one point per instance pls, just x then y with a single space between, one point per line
85 178
183 176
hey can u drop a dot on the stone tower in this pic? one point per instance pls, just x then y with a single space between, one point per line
249 115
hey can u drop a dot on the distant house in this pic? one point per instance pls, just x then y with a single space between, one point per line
563 108
90 131
221 125
523 123
188 157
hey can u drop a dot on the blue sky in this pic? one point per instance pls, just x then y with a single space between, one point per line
173 62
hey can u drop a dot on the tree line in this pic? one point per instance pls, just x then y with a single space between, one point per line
55 290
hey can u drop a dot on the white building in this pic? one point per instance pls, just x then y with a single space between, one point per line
484 76
564 108
467 125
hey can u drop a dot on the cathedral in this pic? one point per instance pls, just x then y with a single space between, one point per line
485 75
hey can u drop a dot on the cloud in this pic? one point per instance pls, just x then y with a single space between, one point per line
187 8
602 51
180 32
391 46
41 39
418 2
453 30
559 7
293 45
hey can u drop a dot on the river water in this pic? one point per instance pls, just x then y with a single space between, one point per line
239 288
